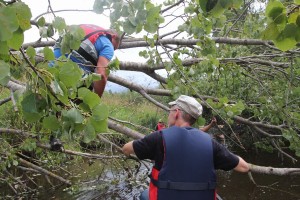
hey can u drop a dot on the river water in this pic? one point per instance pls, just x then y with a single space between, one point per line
105 181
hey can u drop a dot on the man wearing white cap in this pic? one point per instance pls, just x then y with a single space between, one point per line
185 157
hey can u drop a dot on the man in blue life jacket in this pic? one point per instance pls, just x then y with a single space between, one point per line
96 49
185 158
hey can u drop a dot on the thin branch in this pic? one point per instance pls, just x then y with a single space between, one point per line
123 129
13 100
50 8
57 11
137 88
76 153
172 6
130 123
281 151
234 23
44 171
3 101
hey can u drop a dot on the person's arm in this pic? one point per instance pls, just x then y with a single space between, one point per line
99 86
145 147
242 166
225 160
211 124
128 148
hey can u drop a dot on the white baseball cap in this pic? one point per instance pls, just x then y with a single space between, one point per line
188 104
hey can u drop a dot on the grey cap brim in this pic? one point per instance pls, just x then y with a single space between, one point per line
172 103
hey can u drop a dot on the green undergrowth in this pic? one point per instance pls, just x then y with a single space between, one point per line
135 111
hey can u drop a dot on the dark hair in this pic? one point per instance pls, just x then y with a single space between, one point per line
185 116
188 118
115 33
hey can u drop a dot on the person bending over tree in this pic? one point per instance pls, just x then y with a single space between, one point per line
97 49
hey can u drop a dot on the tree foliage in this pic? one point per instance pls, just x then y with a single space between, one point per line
239 58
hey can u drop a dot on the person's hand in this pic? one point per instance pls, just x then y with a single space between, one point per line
213 121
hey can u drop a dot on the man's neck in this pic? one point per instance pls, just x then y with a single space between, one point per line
182 124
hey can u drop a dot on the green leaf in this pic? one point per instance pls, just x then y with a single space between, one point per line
59 23
73 115
23 15
17 39
223 100
51 123
276 11
236 3
9 23
285 43
32 117
138 4
4 48
77 33
153 19
70 74
43 32
30 52
217 10
41 21
141 16
203 5
99 126
98 6
286 40
4 73
290 30
33 103
100 112
125 12
129 28
88 97
89 133
50 31
29 144
297 2
48 54
271 32
201 121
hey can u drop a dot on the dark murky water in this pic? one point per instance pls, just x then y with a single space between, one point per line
116 184
104 180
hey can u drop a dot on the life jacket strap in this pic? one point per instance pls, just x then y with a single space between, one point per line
183 185
86 56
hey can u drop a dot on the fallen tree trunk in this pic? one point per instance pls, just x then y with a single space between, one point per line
274 171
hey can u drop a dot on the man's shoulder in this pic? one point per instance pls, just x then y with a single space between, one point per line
105 40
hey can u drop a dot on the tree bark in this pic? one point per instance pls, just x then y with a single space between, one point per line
274 171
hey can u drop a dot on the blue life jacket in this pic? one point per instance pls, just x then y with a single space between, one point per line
188 170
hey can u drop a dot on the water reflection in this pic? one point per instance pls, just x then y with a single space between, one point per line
110 181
